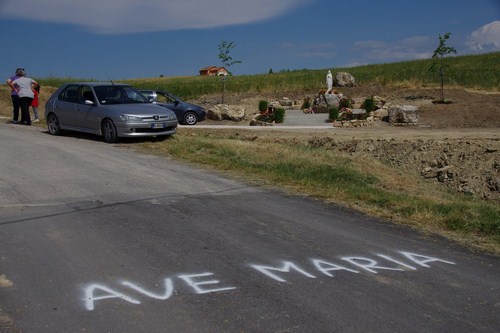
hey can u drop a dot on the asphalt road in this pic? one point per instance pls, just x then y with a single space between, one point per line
99 238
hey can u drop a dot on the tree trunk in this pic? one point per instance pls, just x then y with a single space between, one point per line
441 74
223 89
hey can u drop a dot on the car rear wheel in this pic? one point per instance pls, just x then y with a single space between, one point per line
109 134
53 124
190 118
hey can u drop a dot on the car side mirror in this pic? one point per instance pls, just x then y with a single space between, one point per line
176 102
88 102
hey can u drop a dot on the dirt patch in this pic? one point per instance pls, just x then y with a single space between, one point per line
456 145
470 109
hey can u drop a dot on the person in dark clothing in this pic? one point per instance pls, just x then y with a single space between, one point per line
14 96
24 87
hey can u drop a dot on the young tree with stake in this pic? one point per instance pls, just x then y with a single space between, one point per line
439 64
225 48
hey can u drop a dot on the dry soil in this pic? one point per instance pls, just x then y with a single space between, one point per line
456 145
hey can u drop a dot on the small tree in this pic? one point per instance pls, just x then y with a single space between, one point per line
369 105
333 113
439 63
225 48
279 115
263 105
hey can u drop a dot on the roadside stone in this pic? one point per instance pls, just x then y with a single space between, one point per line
255 122
404 114
286 102
380 114
226 112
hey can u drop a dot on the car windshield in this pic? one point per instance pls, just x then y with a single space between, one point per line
119 95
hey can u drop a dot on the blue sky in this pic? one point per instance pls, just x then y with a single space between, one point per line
122 39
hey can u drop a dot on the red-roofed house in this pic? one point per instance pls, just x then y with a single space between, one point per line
213 71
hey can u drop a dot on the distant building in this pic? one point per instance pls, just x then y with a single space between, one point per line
213 71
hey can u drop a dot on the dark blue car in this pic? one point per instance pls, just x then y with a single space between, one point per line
187 113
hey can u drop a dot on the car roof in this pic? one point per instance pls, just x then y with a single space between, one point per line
97 84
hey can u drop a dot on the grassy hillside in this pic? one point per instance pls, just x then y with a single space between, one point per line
480 72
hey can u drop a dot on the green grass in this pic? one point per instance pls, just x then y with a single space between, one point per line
477 72
360 184
474 71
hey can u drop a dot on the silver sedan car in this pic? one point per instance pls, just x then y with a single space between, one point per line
107 109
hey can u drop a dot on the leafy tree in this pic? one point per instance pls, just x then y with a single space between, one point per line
439 63
225 48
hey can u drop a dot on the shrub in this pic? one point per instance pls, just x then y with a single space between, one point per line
345 103
369 105
333 113
263 105
307 103
279 115
345 114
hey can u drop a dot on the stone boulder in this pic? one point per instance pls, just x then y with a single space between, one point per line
333 99
323 101
403 115
380 114
226 112
344 79
285 103
274 104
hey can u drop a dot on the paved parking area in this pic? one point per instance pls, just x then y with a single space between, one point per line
299 118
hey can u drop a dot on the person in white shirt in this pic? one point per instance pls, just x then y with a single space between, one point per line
24 88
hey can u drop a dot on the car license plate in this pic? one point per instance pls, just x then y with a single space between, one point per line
158 125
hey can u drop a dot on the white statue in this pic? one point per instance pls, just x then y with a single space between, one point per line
329 81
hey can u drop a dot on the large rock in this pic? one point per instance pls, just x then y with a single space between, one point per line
285 103
226 112
333 99
403 115
323 101
344 79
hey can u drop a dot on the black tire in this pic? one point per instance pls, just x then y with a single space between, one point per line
190 118
108 130
53 124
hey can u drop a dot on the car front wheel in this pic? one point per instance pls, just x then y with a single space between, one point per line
109 134
190 118
53 124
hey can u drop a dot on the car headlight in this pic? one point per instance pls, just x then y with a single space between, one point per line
172 117
128 117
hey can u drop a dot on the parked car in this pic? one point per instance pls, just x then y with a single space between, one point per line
187 113
107 109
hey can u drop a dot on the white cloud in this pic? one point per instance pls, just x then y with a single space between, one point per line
126 16
486 38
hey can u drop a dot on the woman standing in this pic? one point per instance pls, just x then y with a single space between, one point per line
15 97
24 88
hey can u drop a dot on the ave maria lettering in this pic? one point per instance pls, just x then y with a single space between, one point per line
204 283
